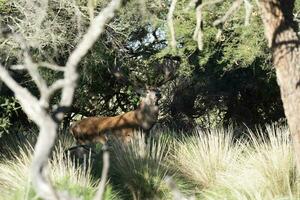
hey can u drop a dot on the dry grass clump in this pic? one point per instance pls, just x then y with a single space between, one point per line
266 172
65 174
202 157
210 164
140 166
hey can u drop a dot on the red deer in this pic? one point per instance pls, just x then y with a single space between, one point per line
98 129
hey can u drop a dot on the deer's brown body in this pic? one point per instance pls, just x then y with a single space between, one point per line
99 129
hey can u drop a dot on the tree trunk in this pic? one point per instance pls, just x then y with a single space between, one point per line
277 16
45 142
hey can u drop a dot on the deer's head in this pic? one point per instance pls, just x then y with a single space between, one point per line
149 90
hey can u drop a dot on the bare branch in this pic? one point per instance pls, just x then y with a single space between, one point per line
101 186
170 23
234 7
26 99
17 67
47 127
142 7
51 66
45 96
31 67
219 34
94 31
36 110
248 9
198 35
193 3
91 7
48 131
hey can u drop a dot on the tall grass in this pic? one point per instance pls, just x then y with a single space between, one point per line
14 181
267 171
211 163
202 157
14 175
140 166
65 173
261 168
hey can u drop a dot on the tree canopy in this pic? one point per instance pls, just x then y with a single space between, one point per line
230 81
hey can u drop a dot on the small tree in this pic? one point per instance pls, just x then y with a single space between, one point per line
38 107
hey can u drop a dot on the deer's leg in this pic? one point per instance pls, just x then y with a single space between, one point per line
127 135
100 139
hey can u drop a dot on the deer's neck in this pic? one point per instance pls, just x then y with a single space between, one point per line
147 115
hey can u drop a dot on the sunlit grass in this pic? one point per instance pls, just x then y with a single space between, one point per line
65 173
202 157
267 170
211 164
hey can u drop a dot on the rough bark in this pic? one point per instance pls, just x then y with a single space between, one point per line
277 16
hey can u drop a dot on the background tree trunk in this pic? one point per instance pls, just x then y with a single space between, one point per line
280 32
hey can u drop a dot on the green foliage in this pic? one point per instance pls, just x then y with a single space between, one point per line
210 81
8 107
245 45
2 3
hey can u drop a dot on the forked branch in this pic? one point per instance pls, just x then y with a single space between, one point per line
38 109
198 35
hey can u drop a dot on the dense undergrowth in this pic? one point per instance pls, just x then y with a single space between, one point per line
208 164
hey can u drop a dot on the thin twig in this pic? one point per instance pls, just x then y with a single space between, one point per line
51 66
31 67
45 96
101 186
248 10
234 7
198 35
170 23
91 7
